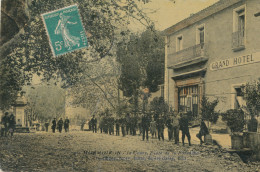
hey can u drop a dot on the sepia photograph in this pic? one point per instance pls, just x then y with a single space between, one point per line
130 85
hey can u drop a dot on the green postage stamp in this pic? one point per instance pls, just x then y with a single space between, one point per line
65 30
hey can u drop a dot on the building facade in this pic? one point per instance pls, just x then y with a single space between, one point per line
213 53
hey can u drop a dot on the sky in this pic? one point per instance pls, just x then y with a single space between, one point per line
167 13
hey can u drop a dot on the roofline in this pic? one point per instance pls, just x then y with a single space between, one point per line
214 8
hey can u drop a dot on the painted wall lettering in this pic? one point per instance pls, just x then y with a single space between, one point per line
236 61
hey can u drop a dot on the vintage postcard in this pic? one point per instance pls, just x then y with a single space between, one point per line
130 85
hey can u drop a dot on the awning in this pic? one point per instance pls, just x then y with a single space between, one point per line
189 62
199 72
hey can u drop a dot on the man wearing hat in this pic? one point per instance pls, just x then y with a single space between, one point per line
11 124
94 124
176 127
66 124
5 122
145 125
203 131
184 126
160 127
53 127
60 124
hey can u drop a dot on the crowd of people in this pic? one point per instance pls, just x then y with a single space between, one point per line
146 124
59 125
129 124
7 124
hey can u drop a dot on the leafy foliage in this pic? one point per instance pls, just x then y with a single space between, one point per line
30 52
46 102
142 61
10 84
235 119
251 93
97 88
142 64
159 106
208 110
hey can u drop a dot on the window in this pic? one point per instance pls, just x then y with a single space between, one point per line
188 99
200 34
179 42
238 34
239 91
162 90
241 23
237 99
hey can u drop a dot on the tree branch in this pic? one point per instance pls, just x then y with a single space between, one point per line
101 90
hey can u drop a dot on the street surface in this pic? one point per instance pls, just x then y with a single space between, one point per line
87 151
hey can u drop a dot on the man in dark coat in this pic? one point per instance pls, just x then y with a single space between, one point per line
203 131
145 124
66 124
60 124
184 126
160 127
5 122
176 128
170 127
94 124
53 127
12 124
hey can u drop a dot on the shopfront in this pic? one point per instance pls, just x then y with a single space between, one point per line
188 99
188 94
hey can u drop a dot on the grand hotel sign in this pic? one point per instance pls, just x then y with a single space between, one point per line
236 61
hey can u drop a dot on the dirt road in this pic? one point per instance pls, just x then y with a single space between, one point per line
87 151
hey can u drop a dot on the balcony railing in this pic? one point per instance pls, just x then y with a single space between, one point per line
238 40
187 54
